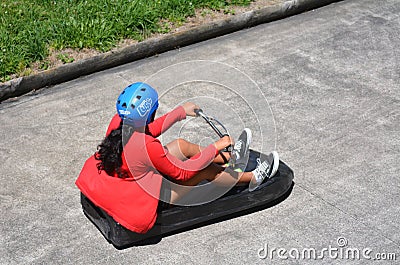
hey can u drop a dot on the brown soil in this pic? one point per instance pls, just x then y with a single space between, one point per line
202 16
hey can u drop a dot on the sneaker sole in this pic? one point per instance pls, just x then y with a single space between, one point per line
275 164
249 137
248 142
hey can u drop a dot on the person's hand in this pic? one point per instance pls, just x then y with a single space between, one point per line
189 108
223 142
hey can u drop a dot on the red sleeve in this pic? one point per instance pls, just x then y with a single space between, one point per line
163 123
157 127
173 167
114 124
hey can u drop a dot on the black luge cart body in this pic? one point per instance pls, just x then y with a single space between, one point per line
238 201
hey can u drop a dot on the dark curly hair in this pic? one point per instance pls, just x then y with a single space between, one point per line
110 150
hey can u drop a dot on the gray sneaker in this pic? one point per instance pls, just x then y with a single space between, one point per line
266 169
240 153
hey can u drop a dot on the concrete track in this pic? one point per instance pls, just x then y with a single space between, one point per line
332 80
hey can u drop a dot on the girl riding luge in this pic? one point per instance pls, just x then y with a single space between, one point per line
130 172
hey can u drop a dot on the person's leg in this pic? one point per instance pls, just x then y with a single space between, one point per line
214 172
183 150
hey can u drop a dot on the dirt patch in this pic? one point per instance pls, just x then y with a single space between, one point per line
202 16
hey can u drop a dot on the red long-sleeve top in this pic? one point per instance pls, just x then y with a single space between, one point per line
133 201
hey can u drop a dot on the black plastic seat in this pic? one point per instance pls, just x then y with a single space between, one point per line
238 201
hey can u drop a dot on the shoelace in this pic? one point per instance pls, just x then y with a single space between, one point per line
261 169
238 145
237 148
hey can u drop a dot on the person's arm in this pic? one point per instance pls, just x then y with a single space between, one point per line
173 167
163 123
160 125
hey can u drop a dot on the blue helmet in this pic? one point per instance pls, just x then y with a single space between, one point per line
137 103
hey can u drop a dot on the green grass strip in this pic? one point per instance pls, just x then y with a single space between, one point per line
30 28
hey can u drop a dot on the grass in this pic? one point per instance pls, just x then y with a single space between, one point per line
30 29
